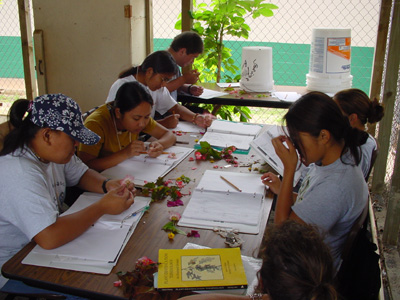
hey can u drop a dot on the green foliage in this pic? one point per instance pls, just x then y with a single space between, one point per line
225 18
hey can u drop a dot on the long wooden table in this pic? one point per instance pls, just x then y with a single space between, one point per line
254 99
145 241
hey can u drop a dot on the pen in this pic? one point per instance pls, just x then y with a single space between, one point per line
182 142
143 209
230 183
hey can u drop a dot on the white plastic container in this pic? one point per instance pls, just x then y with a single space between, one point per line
330 60
257 69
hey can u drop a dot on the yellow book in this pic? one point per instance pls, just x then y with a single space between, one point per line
200 269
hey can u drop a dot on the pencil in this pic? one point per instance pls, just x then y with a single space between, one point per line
145 152
230 183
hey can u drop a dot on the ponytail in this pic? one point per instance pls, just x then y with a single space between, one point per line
355 101
376 112
24 130
353 139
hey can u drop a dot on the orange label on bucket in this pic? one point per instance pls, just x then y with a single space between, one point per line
339 47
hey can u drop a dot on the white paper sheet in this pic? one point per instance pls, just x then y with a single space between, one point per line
148 169
218 139
287 96
263 146
188 127
234 127
215 203
209 94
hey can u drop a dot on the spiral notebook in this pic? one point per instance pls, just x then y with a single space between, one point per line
228 200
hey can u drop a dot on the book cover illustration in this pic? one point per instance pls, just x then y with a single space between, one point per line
205 267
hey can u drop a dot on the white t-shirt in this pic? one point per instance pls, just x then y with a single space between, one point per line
162 98
31 192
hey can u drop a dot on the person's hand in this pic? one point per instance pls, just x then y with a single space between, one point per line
195 90
117 200
191 77
272 181
170 121
287 154
135 148
117 183
155 149
204 121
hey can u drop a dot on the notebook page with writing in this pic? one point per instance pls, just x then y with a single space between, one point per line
213 195
146 169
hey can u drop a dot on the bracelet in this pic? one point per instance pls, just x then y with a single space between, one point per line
103 186
190 86
194 118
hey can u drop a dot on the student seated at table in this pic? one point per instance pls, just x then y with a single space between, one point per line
297 265
185 48
360 110
118 124
333 193
37 163
157 69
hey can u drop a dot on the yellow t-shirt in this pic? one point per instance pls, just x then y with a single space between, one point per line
101 122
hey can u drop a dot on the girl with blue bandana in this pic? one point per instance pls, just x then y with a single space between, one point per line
37 163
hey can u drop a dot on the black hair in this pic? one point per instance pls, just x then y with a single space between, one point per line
355 101
161 62
23 130
316 111
297 264
189 40
130 95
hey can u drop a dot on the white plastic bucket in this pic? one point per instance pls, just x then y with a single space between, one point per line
330 60
257 69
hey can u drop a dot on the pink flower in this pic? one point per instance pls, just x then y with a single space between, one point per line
144 261
177 202
128 179
230 152
193 233
172 155
180 184
191 159
198 155
179 133
194 168
215 166
204 157
168 182
174 216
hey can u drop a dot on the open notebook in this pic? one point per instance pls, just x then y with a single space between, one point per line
110 234
144 168
209 203
222 134
263 146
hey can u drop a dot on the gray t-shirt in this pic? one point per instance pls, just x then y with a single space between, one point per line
31 193
332 197
366 154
